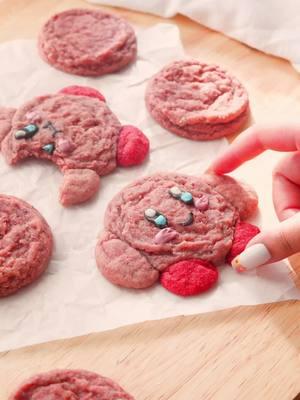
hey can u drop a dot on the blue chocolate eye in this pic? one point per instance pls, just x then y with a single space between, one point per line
49 148
31 128
185 197
158 219
27 132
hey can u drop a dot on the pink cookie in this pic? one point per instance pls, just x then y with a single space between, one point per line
70 385
197 101
87 42
25 244
75 130
163 219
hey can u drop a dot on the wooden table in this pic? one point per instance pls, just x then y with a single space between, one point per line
242 353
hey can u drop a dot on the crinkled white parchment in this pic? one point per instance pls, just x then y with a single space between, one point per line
72 298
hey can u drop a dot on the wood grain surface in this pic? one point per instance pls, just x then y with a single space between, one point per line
243 353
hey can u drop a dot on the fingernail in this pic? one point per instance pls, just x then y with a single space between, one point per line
251 258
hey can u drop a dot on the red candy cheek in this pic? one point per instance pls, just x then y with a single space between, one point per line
133 146
83 91
189 277
244 232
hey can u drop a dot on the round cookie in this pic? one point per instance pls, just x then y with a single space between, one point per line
87 42
197 101
70 385
161 220
76 130
25 244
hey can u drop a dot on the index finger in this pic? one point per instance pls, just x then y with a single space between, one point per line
254 141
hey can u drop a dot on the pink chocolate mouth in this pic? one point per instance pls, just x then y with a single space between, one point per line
64 146
165 236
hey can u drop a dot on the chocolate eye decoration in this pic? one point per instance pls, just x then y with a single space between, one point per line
185 197
175 192
158 219
189 220
27 132
49 148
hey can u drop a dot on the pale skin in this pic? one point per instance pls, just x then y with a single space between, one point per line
283 241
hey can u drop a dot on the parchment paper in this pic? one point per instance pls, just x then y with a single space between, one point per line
72 298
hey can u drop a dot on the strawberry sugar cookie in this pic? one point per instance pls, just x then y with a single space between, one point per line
25 244
87 42
76 130
197 100
70 385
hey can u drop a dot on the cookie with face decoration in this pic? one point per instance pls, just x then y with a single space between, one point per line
173 224
76 130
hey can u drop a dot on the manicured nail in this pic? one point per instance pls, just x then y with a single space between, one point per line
253 257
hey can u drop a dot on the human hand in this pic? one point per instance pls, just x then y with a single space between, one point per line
284 240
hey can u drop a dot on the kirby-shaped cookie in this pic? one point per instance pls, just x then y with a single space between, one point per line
76 130
173 228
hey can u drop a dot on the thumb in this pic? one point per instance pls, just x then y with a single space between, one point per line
270 246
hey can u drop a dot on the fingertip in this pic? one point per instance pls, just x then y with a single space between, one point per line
210 170
226 162
219 168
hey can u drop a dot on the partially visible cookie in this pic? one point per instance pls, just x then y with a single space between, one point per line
76 130
87 42
25 244
197 100
70 385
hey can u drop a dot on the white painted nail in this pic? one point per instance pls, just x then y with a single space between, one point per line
253 257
